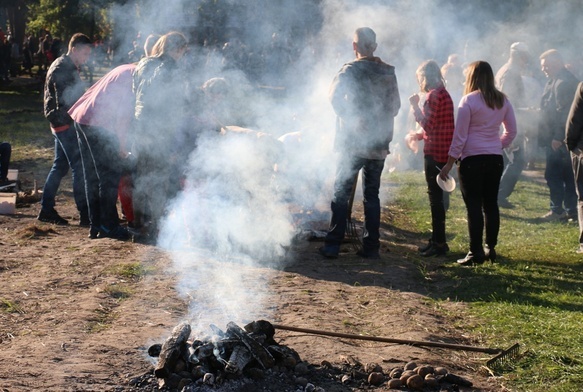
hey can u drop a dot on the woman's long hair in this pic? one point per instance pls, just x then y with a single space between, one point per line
481 77
429 76
169 42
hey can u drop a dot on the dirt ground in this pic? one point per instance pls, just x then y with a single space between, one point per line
72 318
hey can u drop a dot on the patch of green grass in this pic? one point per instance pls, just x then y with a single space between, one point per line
24 126
101 320
119 291
133 271
532 295
9 306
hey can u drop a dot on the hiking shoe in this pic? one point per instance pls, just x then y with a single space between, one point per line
93 233
329 251
117 233
425 247
490 254
52 216
7 184
472 258
436 250
552 216
573 218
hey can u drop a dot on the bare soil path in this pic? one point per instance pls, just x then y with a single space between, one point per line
79 314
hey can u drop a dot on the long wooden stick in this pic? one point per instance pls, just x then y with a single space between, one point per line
391 340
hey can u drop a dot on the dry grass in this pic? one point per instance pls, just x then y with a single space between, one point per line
33 231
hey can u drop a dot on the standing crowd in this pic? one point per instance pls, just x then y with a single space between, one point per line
480 134
126 136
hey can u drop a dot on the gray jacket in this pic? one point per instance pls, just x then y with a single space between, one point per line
365 97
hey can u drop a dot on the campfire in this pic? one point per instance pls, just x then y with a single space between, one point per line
237 358
224 355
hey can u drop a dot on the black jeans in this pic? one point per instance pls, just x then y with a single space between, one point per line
346 174
5 152
479 177
100 156
560 180
438 199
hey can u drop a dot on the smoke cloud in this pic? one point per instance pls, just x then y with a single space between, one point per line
235 210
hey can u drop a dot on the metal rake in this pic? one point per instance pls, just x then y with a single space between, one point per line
502 355
352 236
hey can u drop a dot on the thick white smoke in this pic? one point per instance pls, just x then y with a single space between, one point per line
234 211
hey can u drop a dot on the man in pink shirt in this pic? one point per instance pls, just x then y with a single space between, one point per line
103 118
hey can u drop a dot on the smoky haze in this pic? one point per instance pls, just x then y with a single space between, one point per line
235 211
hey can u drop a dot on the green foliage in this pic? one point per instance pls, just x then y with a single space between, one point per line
532 295
64 18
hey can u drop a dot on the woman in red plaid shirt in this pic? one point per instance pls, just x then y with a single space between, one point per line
437 122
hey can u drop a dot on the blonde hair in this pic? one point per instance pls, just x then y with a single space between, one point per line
149 44
169 42
480 77
429 76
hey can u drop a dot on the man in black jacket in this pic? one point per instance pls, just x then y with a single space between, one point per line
365 97
63 87
555 103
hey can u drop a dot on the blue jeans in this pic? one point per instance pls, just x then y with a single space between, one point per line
66 155
561 182
102 172
479 182
346 175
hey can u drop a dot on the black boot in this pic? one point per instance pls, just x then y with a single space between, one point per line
472 258
490 254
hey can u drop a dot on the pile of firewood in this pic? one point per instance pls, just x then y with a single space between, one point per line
224 355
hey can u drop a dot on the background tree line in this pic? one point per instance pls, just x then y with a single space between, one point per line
62 18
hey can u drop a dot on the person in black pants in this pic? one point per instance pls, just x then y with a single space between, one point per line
365 97
5 152
478 144
437 121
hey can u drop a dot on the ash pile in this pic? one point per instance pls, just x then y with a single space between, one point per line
231 360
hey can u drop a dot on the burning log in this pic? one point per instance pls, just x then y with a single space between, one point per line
172 350
258 351
222 356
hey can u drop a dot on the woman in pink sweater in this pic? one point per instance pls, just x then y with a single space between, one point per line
478 143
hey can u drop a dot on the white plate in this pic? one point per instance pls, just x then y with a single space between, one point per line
448 185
